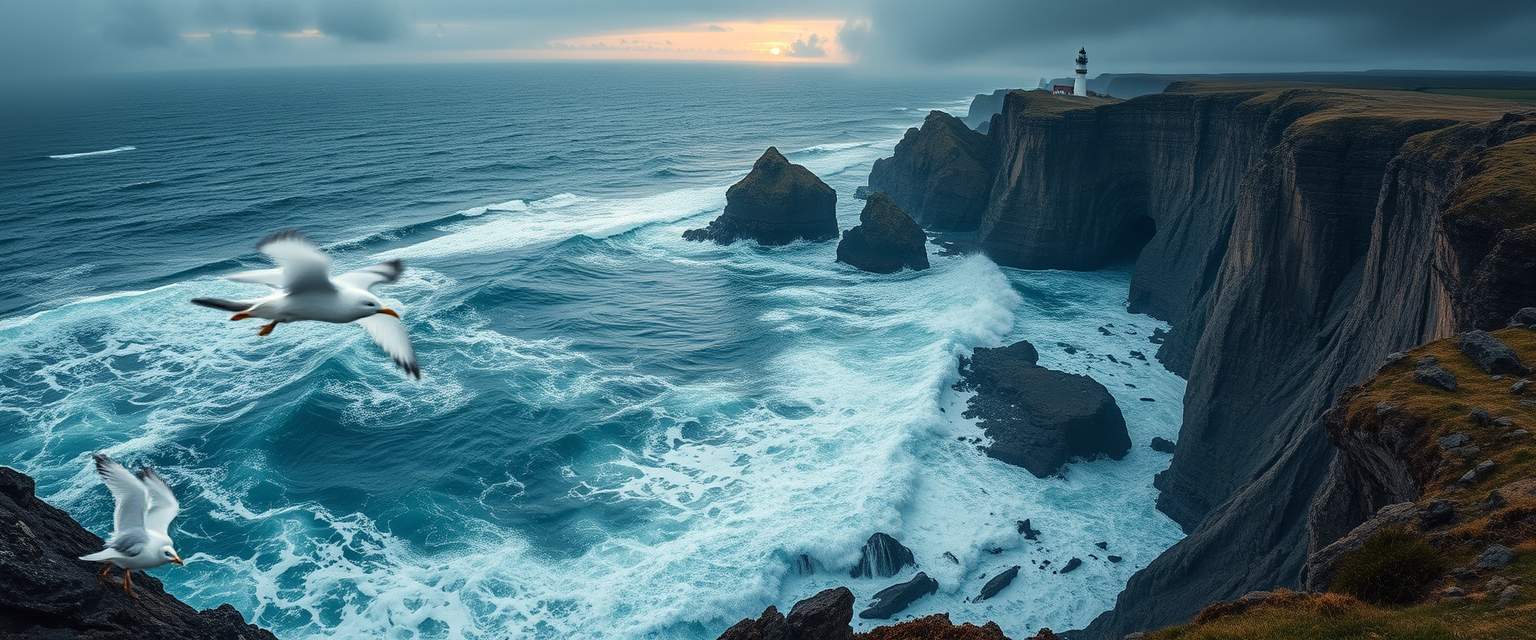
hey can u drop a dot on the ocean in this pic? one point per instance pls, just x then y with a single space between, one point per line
619 434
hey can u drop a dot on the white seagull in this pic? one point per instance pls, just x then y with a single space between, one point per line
306 291
145 508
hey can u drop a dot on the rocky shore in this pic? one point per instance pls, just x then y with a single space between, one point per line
46 593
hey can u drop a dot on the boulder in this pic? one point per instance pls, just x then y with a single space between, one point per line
1496 556
1029 532
998 583
1435 376
1437 513
882 557
777 203
1477 473
1163 445
1039 418
886 239
935 627
1072 565
895 598
1491 354
1525 317
48 593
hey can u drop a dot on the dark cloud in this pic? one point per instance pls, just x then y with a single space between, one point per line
810 46
140 23
277 15
362 20
1215 35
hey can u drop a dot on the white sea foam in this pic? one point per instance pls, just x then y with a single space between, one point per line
510 205
66 156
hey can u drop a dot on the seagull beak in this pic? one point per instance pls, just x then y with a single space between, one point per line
389 312
176 560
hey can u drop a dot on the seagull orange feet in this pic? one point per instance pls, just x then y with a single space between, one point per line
267 328
128 584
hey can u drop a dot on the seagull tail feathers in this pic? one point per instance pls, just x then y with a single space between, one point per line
104 554
220 303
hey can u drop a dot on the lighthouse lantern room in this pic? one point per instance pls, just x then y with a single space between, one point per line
1080 85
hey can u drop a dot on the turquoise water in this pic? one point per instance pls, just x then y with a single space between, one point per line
618 434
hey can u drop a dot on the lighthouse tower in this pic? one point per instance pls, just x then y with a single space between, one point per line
1080 85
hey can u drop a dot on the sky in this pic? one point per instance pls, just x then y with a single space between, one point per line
55 38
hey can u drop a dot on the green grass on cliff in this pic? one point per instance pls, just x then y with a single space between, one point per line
1518 95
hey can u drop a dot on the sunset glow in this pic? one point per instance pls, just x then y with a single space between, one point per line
782 41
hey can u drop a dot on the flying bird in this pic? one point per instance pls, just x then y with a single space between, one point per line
306 291
145 508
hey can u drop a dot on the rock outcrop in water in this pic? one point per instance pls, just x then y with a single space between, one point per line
45 592
1040 418
777 203
1293 238
886 239
940 173
825 616
882 557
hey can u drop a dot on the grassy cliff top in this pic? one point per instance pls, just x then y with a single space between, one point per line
1038 102
1393 399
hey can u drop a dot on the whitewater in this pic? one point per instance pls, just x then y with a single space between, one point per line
619 433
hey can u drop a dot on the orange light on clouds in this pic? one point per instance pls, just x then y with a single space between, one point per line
781 41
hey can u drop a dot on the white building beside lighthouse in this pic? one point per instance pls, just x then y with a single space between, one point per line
1080 85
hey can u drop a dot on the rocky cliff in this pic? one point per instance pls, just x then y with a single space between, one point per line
1294 238
46 593
940 173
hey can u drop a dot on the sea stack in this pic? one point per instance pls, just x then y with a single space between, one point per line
777 203
940 173
1040 418
886 239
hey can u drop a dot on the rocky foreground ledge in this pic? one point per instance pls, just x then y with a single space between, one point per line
46 593
825 616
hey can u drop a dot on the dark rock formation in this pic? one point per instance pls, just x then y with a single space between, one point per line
1039 418
895 598
1163 445
45 592
1524 317
1029 532
939 174
983 107
998 583
886 239
1436 376
1491 355
823 616
882 557
777 203
1072 565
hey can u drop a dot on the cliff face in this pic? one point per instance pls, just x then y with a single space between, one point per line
939 174
48 593
1293 237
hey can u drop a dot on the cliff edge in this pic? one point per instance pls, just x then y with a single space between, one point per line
49 594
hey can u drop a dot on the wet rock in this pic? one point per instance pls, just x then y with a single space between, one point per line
1477 473
1039 418
1072 565
1045 634
1139 355
1102 545
1104 331
46 593
935 627
1114 558
824 615
886 239
997 583
882 557
862 193
1158 336
1491 354
1029 533
1454 440
1163 445
1435 376
951 558
1437 513
1496 556
895 598
777 203
1525 317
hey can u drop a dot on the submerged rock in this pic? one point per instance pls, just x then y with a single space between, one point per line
893 599
886 239
1163 445
1039 418
882 557
777 203
998 583
48 593
1029 532
1072 565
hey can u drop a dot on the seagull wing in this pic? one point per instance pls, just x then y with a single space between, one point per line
305 268
389 334
269 277
163 506
368 277
129 492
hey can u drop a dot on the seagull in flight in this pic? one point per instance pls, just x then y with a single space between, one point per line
306 291
145 508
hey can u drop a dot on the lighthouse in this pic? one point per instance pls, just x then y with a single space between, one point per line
1080 85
